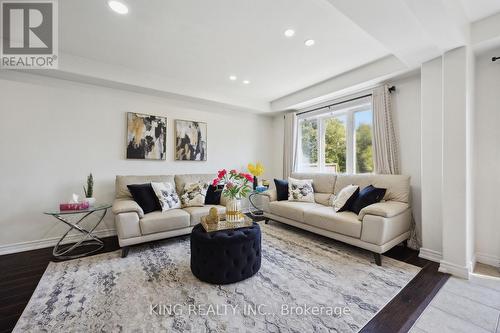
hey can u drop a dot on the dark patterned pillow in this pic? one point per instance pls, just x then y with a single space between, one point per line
300 190
168 198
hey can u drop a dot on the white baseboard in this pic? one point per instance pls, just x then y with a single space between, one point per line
488 259
430 255
48 242
456 270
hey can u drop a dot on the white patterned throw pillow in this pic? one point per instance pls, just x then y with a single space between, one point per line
167 196
343 200
194 194
300 190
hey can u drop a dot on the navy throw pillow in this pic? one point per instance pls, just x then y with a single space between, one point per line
281 189
213 195
366 197
145 197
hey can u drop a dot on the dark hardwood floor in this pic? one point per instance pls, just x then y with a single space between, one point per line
22 271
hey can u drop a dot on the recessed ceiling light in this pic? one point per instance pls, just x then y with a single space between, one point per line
289 33
309 42
118 7
232 78
246 82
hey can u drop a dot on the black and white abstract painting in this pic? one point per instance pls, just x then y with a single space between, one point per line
191 141
146 136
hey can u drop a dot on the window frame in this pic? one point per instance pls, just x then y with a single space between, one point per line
349 111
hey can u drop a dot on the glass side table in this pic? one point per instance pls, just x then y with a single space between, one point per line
73 218
255 208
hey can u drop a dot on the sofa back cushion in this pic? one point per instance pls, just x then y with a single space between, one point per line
181 180
322 182
397 186
121 183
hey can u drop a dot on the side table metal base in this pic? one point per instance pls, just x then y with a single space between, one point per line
63 251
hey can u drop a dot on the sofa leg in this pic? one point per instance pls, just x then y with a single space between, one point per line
405 243
125 251
378 258
266 221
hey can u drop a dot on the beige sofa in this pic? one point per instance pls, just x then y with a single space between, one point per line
377 228
134 227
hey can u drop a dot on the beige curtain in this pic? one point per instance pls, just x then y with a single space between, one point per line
386 145
385 142
289 144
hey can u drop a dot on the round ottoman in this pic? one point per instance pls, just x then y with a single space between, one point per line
225 256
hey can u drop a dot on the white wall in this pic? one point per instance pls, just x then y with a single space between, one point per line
54 132
406 109
487 159
277 144
432 160
456 258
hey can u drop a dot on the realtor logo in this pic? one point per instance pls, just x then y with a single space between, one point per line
29 34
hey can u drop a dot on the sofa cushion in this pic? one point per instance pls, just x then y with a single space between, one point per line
293 210
300 190
368 196
121 183
182 180
345 198
145 197
345 223
323 198
194 194
398 186
196 213
281 189
164 221
213 195
322 182
167 196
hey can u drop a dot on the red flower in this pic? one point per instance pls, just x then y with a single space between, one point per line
216 182
229 185
248 176
221 173
233 172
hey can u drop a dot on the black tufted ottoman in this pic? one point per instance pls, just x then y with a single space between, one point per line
225 256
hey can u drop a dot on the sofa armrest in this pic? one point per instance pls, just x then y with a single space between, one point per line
127 206
384 209
267 197
379 230
271 194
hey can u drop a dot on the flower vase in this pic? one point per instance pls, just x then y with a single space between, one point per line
233 210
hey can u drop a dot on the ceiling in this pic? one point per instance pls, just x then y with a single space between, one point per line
199 44
479 9
191 47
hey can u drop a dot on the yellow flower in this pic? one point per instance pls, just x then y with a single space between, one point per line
255 170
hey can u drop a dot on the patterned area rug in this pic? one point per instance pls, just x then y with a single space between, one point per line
306 283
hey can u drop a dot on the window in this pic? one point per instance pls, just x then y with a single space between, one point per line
337 139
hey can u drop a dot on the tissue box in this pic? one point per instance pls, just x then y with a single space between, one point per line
74 206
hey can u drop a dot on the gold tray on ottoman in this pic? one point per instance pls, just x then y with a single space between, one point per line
224 225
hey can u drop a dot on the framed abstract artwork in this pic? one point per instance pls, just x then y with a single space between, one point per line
146 136
190 140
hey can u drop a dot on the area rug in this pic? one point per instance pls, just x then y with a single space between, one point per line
306 283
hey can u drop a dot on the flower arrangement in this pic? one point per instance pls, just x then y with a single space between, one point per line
256 170
237 184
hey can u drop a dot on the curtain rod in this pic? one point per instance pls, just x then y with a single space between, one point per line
391 89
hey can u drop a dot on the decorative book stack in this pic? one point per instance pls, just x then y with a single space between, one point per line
74 206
